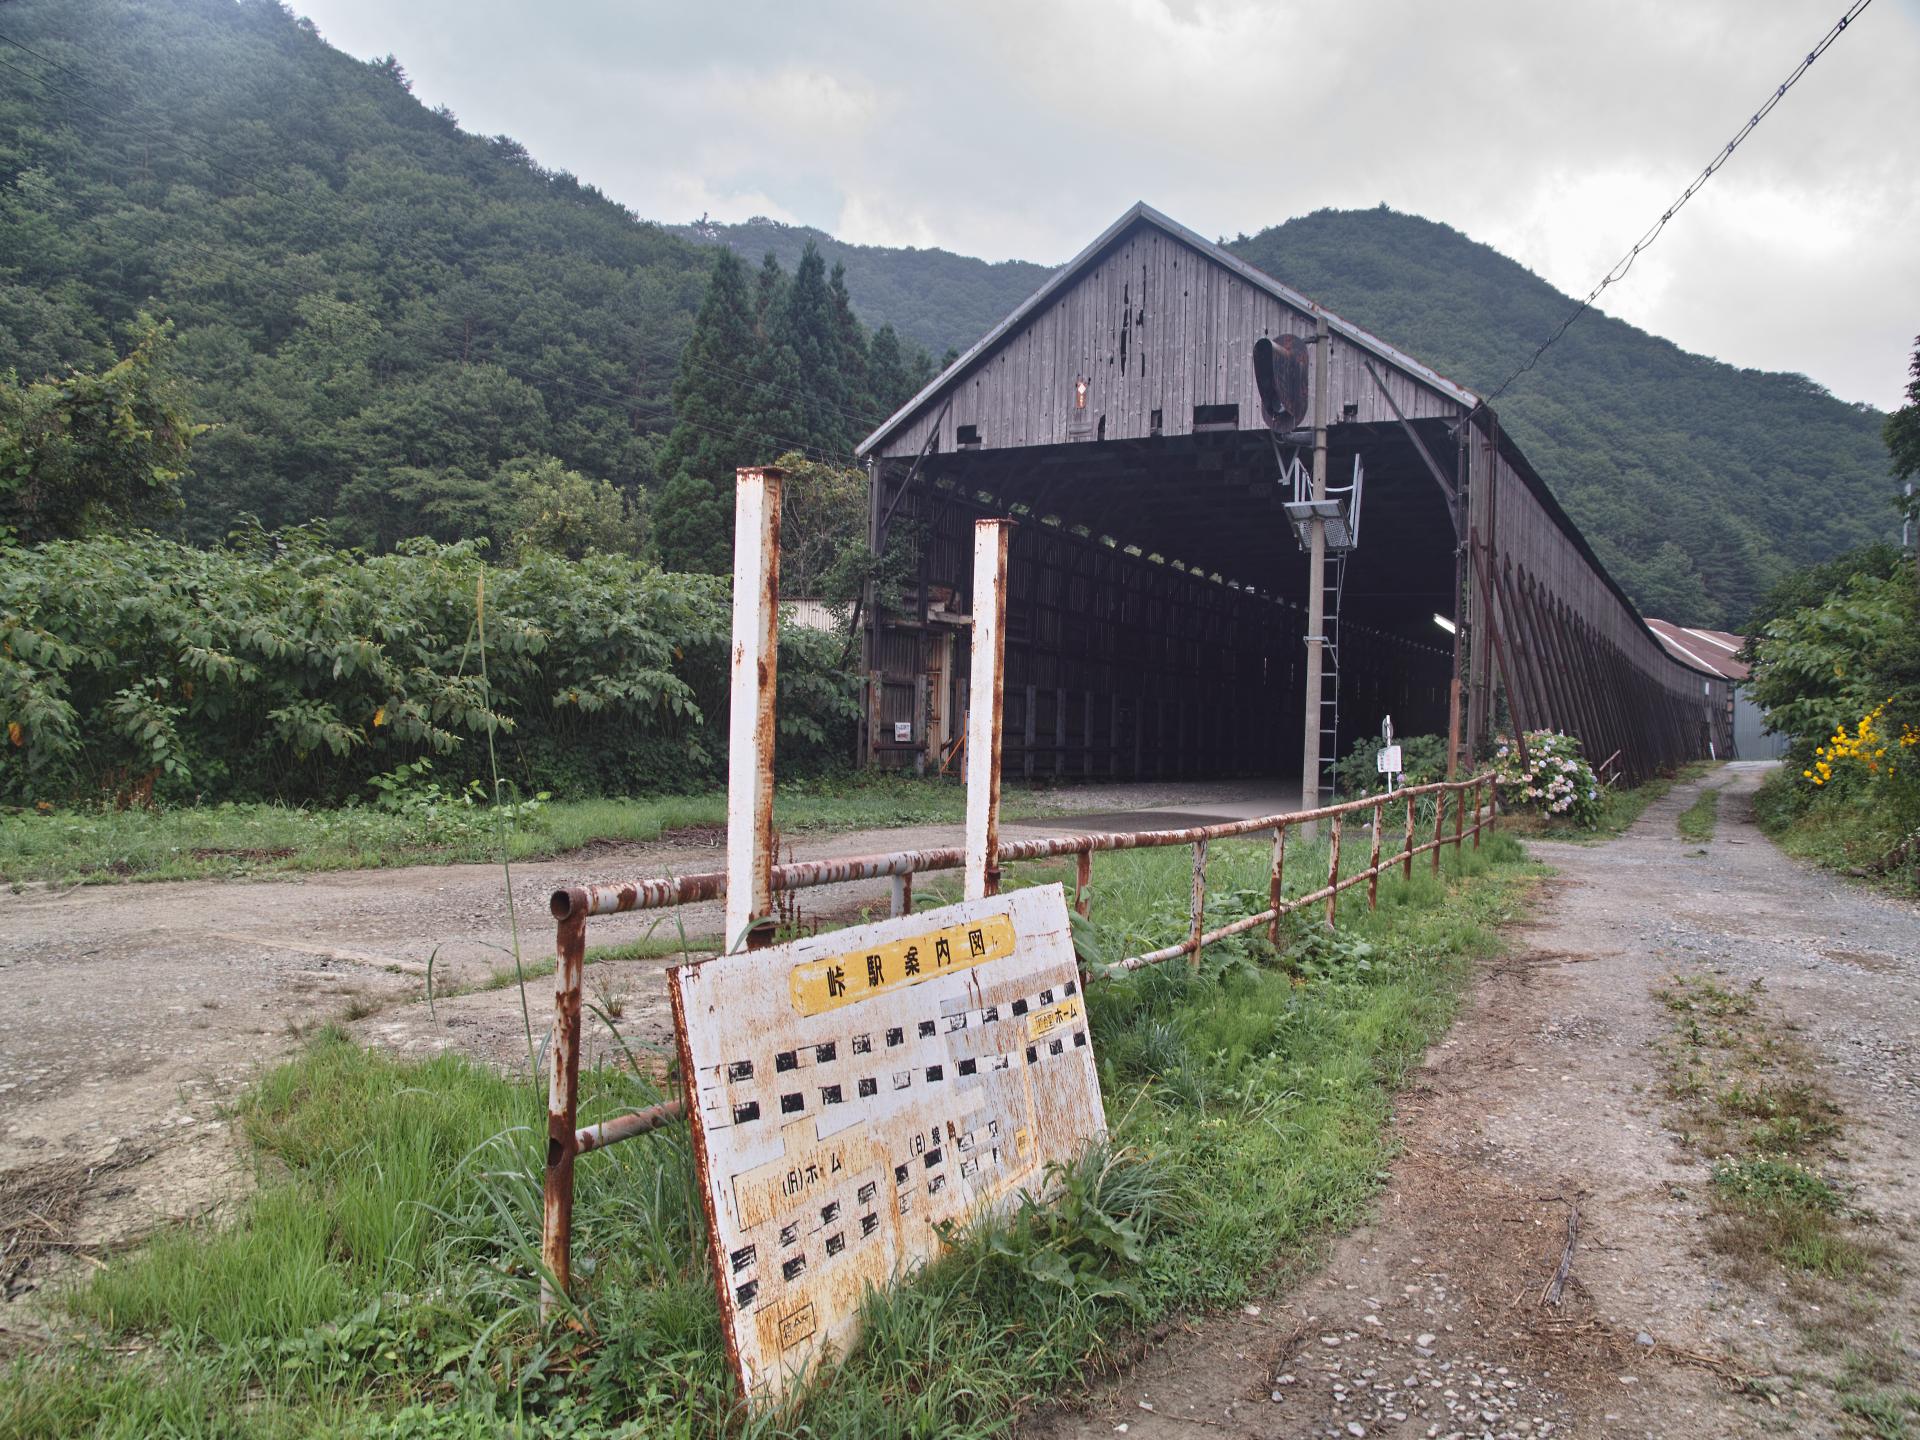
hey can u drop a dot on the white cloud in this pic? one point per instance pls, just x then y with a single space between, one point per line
1005 129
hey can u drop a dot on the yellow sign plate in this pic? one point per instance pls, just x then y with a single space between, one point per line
818 986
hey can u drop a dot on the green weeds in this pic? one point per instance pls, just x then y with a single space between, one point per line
1696 822
420 823
382 1281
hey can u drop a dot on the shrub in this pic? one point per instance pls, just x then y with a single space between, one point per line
1555 780
279 666
1423 760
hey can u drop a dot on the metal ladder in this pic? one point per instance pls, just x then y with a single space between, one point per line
1330 675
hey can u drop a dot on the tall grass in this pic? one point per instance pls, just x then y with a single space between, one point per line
383 1279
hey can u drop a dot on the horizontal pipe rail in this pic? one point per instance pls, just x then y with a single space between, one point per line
572 906
669 891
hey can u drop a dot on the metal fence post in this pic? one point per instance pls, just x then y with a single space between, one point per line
987 697
1333 873
1083 882
1197 911
750 724
1276 884
1406 863
1373 860
902 895
563 1099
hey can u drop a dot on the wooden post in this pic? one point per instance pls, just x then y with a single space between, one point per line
1459 817
987 698
1083 882
750 721
1476 815
1406 863
1439 818
1373 860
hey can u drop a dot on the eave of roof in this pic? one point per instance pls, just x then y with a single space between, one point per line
1068 273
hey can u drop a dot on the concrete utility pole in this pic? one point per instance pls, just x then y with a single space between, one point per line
1316 575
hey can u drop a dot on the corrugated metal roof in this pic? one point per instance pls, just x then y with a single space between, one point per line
1713 650
1067 274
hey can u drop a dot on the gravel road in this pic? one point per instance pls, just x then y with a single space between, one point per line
1545 1094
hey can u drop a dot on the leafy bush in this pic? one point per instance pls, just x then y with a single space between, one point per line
1423 760
281 667
1555 779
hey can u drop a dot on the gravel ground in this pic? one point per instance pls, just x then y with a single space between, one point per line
1545 1095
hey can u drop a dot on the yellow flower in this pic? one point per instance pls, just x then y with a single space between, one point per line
15 733
379 717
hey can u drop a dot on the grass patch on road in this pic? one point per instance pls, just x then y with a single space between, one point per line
1696 823
93 846
1748 1098
382 1280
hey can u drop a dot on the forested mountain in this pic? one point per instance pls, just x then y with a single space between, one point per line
1698 483
382 320
392 324
934 298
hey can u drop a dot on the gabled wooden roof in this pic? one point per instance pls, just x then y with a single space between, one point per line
1142 214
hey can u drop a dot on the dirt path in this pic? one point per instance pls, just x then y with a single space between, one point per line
1547 1093
133 1012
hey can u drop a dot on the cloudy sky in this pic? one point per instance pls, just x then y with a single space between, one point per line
1004 129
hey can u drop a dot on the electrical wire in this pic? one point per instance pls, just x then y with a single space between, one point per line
1620 269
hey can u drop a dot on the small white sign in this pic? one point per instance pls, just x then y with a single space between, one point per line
1388 760
903 732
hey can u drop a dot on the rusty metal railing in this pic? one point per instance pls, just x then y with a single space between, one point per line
573 906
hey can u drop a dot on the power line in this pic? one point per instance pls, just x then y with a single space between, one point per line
1620 269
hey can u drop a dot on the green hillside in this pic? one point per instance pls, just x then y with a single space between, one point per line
1698 483
934 298
388 322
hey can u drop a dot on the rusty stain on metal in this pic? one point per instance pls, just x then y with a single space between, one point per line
1373 860
902 902
1197 907
832 1144
1276 881
571 908
986 703
563 1098
626 1127
751 725
1333 872
1083 883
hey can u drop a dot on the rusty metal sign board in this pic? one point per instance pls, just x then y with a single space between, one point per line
850 1091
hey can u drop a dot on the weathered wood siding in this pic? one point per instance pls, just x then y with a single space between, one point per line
1153 325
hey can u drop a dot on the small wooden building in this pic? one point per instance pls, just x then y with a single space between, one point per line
1158 591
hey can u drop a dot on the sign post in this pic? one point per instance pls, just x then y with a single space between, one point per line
1387 758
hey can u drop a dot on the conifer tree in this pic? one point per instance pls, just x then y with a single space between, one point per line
805 326
851 360
715 430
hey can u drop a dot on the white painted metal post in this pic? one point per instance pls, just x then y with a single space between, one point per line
750 723
987 695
